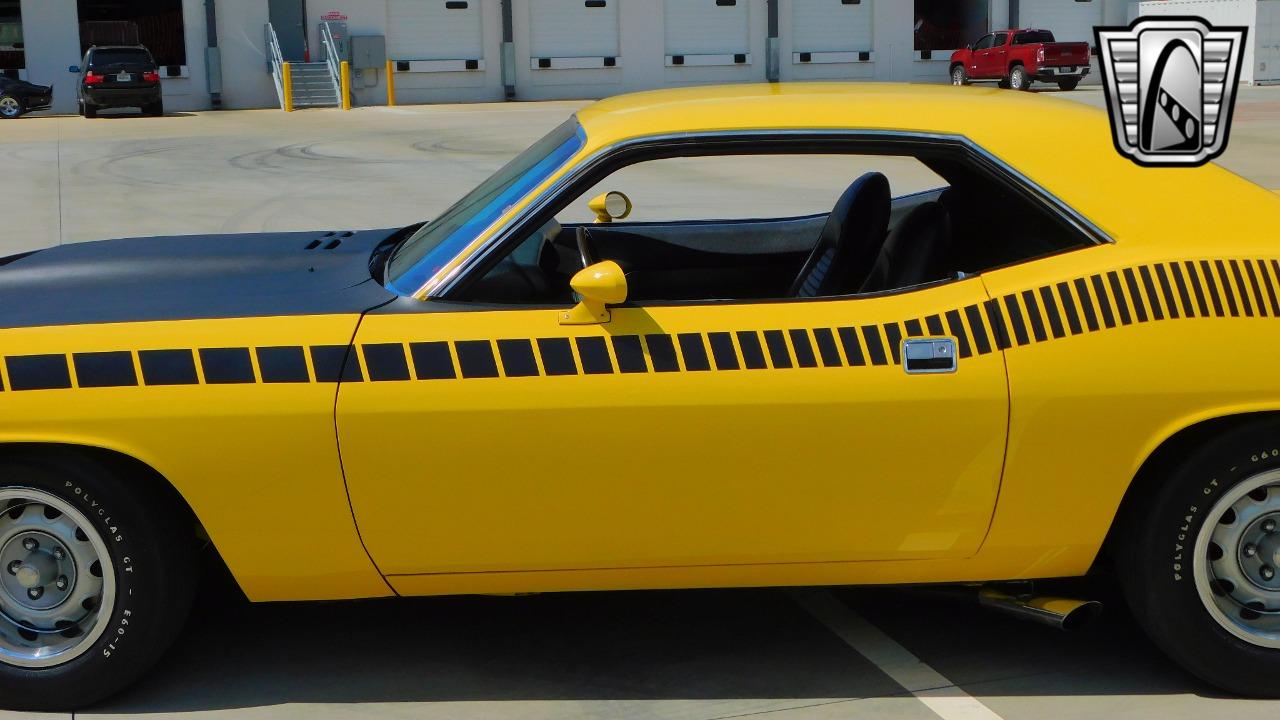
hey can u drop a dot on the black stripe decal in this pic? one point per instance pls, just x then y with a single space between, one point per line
875 346
1152 296
722 350
914 328
1015 319
778 353
1225 286
433 361
557 357
1200 290
1271 288
386 362
1188 310
105 369
979 329
1104 301
933 324
1170 303
1086 305
1117 293
38 372
752 350
1244 290
285 364
1033 314
956 325
475 358
1257 287
694 352
168 367
998 329
223 366
662 353
804 349
1069 307
852 346
893 338
1135 295
827 349
1051 311
630 354
517 358
594 353
335 363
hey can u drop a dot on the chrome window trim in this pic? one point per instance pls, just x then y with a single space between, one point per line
441 284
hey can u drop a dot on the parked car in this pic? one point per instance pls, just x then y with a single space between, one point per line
18 97
1015 58
119 76
520 397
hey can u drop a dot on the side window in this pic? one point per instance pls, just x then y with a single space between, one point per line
1001 39
984 43
748 226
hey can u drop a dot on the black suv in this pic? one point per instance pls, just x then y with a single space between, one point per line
19 96
119 76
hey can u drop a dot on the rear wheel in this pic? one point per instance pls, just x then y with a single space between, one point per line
1068 84
96 577
10 107
1019 79
1200 560
959 76
90 111
155 109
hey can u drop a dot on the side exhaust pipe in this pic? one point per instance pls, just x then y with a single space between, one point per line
1062 613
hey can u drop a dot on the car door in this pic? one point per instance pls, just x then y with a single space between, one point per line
978 59
997 59
482 439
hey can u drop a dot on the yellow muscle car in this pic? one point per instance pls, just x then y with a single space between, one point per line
1051 360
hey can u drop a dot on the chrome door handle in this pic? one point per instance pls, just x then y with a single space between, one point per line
922 356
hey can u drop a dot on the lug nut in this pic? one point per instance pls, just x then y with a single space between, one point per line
30 544
59 553
61 582
1250 550
13 567
35 593
1268 526
1267 573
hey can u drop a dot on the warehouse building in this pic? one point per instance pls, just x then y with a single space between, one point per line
217 53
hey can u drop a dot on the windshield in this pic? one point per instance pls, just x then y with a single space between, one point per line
119 56
423 255
1032 37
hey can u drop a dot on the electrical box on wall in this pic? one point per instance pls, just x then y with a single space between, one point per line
368 52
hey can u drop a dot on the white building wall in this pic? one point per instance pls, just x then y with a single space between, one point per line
246 81
51 32
1217 12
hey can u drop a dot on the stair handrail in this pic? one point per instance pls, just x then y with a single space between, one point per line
275 60
332 60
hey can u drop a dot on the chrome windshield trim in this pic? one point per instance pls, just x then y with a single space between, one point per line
443 283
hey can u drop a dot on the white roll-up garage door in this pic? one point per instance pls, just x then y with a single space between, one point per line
707 27
434 30
573 29
1267 43
831 26
1069 20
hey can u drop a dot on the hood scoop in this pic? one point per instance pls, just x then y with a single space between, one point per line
329 241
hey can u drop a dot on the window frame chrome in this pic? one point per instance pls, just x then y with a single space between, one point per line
439 286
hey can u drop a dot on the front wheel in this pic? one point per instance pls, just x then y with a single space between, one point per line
10 107
1019 79
1068 84
959 76
1200 560
96 577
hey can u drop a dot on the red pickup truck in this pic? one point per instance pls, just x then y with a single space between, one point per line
1018 57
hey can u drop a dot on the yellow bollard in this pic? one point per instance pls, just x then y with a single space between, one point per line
346 85
391 83
286 79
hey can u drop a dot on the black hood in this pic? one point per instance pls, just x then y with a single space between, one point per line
192 277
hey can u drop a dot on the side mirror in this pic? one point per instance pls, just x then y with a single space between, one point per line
610 206
969 46
599 285
74 69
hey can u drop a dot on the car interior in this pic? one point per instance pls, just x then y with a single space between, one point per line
869 242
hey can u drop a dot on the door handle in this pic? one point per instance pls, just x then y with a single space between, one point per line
922 356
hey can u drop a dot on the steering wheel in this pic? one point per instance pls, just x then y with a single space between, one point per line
586 248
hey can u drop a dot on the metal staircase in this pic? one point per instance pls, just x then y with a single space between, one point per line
305 84
313 85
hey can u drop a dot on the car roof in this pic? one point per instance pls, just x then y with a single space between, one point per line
1062 145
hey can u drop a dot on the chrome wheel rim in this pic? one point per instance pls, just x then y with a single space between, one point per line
57 581
957 77
1237 560
9 107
